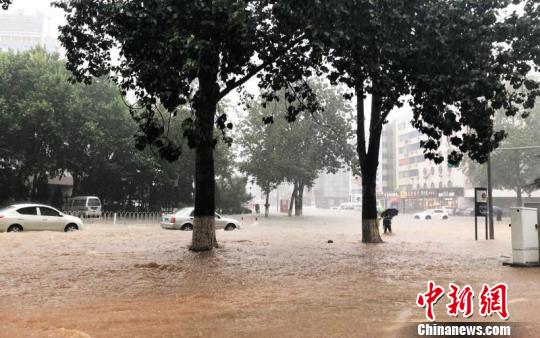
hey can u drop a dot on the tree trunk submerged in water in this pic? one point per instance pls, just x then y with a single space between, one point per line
369 162
267 203
299 201
293 199
205 103
370 221
204 226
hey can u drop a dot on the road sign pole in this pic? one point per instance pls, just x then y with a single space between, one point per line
490 201
475 226
487 230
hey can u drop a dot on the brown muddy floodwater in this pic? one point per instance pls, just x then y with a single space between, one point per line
279 277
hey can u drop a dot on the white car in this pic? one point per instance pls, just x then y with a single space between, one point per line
350 206
183 220
36 217
432 214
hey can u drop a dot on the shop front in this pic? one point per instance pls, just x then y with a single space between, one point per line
422 199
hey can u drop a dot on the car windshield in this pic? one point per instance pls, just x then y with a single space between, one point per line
184 212
94 202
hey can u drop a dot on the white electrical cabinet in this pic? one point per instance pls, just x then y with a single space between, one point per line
524 235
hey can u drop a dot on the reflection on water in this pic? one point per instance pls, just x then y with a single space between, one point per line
279 277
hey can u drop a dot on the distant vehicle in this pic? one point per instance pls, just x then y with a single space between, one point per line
84 206
36 217
432 214
183 220
465 212
350 206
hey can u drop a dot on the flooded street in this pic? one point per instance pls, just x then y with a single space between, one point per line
275 277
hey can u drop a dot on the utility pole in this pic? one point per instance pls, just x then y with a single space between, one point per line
490 200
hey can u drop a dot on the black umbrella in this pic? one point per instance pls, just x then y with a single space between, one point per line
390 213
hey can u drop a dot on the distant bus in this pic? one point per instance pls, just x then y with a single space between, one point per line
84 206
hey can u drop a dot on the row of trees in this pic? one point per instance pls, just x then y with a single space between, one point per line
454 62
52 128
298 151
516 168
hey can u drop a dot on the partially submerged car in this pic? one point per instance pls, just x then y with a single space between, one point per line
36 217
432 214
183 220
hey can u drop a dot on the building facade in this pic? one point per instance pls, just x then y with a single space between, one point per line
410 182
21 31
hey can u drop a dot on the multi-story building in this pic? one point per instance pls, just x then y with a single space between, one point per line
411 181
21 31
387 162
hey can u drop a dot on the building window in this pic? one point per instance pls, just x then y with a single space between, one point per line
425 185
432 170
440 185
449 184
432 184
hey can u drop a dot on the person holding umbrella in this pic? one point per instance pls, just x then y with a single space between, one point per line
387 216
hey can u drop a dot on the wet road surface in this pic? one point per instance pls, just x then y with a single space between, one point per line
276 277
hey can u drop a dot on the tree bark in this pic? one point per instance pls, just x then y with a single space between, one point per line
299 201
519 190
369 162
519 193
205 103
33 191
267 203
293 199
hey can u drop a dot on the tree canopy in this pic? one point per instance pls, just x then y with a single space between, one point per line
453 62
176 54
516 168
297 151
161 62
5 4
55 128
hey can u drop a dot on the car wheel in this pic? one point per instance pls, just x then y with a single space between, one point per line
230 227
445 217
428 217
416 217
187 227
15 228
71 227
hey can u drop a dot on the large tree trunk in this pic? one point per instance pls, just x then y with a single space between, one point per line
519 190
33 191
267 203
205 103
519 193
370 222
299 201
293 199
369 162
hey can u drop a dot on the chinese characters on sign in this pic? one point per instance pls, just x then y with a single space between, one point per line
491 300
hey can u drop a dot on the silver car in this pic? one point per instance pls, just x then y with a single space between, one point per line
36 217
183 220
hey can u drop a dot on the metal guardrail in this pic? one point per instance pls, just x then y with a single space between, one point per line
120 217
